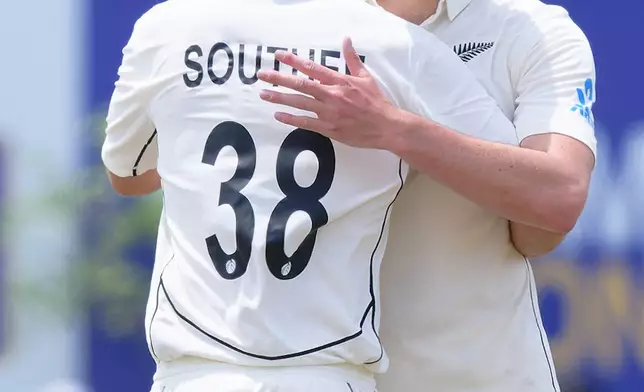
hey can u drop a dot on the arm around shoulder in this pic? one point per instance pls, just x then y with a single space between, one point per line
542 186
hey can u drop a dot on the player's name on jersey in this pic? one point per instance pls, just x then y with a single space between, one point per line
247 60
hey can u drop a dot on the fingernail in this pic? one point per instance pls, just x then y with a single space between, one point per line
265 94
279 116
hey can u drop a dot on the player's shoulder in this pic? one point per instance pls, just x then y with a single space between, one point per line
387 30
534 22
535 10
168 15
383 24
529 30
148 26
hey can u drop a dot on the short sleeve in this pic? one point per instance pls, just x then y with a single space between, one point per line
555 82
448 93
130 146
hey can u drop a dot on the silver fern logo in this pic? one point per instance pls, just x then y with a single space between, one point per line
471 49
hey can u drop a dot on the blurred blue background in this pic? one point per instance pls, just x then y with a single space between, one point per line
73 276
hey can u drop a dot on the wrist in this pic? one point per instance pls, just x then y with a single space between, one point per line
401 129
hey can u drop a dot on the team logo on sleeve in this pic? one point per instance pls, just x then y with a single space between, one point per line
586 98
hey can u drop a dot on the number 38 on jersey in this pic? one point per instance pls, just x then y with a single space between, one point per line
296 198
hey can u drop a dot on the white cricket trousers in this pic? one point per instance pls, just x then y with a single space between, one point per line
195 375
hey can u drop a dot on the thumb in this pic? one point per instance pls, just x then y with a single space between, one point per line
354 63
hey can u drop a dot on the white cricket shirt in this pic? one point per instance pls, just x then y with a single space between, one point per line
460 310
271 237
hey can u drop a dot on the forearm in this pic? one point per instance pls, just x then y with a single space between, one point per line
522 185
533 242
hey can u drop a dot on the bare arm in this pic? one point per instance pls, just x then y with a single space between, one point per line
544 188
531 241
141 185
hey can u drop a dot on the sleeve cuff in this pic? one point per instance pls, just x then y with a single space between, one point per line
566 122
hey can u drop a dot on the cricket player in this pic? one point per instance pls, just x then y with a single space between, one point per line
270 242
460 310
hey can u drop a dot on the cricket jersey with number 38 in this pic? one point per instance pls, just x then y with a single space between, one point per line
271 237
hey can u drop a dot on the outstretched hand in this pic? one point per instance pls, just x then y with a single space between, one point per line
348 108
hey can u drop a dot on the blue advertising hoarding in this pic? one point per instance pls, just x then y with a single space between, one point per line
591 288
4 312
115 363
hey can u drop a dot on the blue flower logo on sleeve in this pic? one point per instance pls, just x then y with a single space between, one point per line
586 98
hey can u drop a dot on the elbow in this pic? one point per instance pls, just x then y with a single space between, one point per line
561 210
128 191
542 248
122 188
144 184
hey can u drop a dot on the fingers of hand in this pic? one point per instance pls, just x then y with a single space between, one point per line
304 122
355 65
310 68
297 101
302 85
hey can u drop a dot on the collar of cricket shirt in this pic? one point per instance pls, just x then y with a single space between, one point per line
453 7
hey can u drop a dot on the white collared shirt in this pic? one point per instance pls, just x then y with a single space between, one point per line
271 237
460 310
